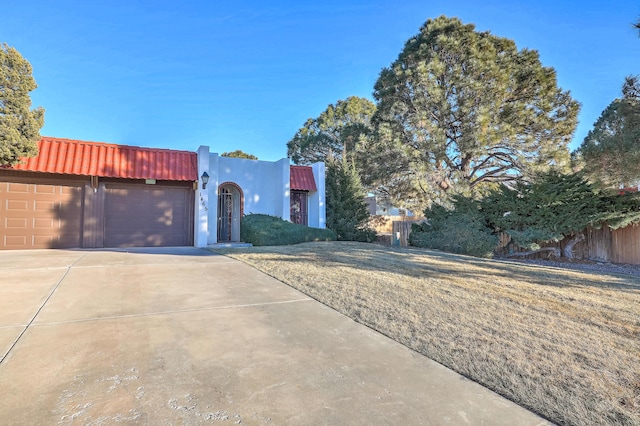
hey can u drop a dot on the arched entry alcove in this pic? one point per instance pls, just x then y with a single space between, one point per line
230 212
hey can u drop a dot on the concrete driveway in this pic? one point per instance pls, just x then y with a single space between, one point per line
183 336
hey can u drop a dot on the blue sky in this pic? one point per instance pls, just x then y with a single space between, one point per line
246 75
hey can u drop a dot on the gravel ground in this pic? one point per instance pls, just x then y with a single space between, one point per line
583 265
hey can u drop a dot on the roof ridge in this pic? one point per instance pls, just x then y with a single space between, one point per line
115 145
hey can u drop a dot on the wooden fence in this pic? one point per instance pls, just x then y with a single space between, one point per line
401 231
601 245
384 224
617 246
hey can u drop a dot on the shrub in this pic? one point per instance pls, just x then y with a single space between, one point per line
462 231
265 230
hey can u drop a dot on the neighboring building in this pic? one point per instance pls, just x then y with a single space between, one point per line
78 194
384 208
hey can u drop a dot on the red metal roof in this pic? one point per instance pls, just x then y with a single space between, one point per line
302 179
109 160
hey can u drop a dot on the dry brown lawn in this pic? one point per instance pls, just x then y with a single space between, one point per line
562 343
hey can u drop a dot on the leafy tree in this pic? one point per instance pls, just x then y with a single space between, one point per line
338 129
239 154
610 154
461 109
19 125
347 212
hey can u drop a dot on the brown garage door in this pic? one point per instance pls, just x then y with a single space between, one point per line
146 216
40 215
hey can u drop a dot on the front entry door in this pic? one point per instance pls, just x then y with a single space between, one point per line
299 209
228 214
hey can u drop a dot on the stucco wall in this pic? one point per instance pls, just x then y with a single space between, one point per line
265 187
265 184
317 204
201 220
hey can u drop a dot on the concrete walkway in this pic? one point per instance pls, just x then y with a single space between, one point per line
183 336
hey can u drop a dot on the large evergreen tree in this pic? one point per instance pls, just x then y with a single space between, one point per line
339 128
460 109
462 228
19 124
347 213
610 154
550 208
631 87
556 206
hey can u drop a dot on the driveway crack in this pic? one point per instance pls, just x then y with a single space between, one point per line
51 293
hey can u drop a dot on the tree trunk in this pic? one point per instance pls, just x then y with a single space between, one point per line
555 251
568 249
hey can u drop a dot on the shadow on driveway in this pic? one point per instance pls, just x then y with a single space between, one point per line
156 336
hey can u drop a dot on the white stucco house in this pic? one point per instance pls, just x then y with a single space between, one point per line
84 194
236 187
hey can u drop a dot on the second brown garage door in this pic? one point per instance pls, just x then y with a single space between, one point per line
148 216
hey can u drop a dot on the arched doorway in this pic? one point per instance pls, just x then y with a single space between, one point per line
230 206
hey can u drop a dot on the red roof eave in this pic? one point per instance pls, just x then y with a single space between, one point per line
84 158
302 179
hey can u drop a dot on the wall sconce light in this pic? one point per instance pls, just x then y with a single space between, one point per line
205 180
